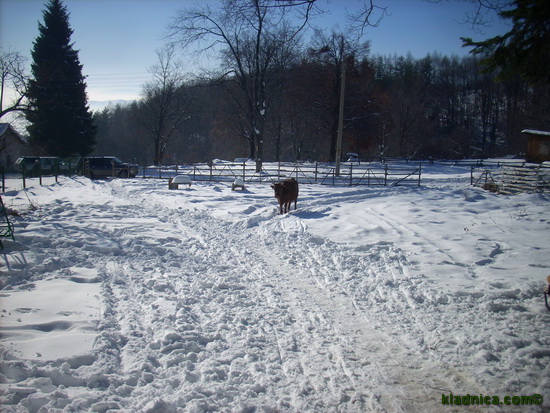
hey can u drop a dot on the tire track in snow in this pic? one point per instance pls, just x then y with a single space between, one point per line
357 355
381 372
336 376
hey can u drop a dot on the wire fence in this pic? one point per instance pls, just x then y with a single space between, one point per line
310 173
388 172
372 174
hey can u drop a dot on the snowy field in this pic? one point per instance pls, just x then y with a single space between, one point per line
124 296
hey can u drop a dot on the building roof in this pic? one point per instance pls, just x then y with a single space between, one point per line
5 127
536 132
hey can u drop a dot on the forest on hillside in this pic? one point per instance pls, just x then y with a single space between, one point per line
438 106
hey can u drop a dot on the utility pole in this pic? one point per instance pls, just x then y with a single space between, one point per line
341 117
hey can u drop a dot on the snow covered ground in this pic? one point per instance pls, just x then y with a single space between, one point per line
123 295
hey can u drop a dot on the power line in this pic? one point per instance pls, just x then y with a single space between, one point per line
117 80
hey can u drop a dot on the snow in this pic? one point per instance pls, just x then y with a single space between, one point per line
180 180
121 295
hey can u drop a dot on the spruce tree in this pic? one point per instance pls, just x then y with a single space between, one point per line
61 123
525 49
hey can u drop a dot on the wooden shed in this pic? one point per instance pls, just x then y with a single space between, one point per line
538 145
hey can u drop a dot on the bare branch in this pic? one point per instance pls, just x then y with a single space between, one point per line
14 79
483 12
370 15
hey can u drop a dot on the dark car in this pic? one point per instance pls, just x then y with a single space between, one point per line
42 165
107 166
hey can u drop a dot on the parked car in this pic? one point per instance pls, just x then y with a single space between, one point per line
352 157
42 165
107 166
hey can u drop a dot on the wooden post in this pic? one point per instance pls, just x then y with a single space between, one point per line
386 175
316 166
351 175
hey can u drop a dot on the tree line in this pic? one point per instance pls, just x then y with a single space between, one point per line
277 95
395 106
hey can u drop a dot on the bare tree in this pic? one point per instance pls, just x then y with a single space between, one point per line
251 36
14 79
340 54
165 103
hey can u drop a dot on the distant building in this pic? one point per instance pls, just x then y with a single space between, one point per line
12 146
538 145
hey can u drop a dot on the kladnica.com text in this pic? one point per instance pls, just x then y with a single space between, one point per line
468 399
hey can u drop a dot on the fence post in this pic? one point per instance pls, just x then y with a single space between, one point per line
316 166
244 171
386 175
472 175
351 175
419 173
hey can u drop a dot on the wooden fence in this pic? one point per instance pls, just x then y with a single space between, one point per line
311 173
513 179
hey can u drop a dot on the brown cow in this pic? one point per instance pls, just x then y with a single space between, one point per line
286 192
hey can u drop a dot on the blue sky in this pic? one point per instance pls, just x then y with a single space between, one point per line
117 39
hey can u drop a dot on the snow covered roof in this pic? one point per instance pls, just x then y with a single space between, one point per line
536 132
16 136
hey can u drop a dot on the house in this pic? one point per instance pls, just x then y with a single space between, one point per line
12 146
538 145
